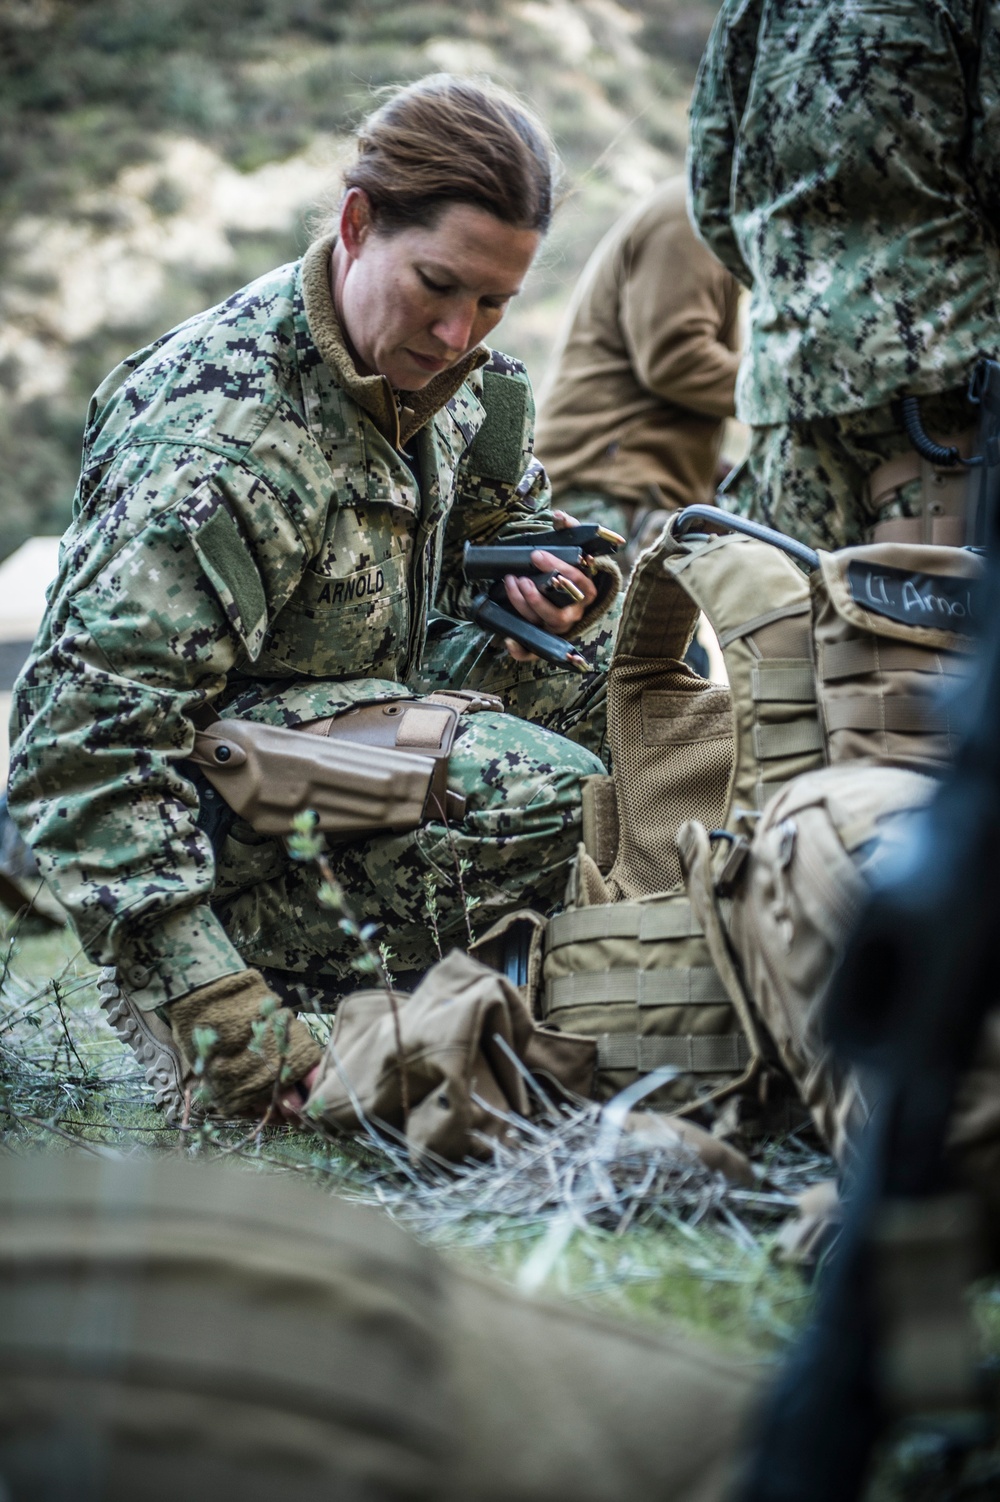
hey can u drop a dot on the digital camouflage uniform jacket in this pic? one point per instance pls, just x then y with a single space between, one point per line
845 164
240 518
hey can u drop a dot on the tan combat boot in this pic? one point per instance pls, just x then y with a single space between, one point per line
167 1072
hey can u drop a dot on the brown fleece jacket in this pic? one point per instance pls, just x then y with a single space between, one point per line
644 374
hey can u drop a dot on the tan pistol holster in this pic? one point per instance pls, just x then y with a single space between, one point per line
636 960
373 768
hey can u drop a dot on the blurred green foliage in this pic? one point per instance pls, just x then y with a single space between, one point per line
89 87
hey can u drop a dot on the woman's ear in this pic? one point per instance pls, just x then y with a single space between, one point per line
355 221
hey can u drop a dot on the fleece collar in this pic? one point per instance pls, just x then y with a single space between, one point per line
400 415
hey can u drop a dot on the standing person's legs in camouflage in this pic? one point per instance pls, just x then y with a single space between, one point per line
810 479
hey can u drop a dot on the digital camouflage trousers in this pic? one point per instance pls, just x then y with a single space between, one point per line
428 889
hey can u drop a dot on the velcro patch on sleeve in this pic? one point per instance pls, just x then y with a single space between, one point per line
497 449
227 562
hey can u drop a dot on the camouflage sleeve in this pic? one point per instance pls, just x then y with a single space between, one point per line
500 488
156 599
716 106
985 144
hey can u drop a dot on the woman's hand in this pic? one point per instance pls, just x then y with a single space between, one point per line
529 602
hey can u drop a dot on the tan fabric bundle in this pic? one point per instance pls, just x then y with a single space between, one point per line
466 1038
470 1046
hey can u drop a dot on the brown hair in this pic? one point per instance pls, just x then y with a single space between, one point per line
454 140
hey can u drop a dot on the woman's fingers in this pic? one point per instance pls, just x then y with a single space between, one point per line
532 605
519 653
291 1105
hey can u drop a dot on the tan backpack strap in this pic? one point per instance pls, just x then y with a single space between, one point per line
767 656
696 858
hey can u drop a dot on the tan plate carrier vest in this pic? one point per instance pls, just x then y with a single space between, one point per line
641 958
638 975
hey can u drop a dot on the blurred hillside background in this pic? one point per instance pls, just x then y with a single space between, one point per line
157 154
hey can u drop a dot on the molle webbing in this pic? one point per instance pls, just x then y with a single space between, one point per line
697 986
892 625
727 1053
637 976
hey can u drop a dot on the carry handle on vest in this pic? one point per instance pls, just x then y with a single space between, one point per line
725 521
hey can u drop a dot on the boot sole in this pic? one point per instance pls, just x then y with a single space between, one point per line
149 1040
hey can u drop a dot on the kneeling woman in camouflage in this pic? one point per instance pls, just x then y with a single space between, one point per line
269 527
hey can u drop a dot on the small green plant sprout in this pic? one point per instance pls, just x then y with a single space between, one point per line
469 904
204 1040
304 844
463 866
433 910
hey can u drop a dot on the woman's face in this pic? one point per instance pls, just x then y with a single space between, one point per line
414 302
